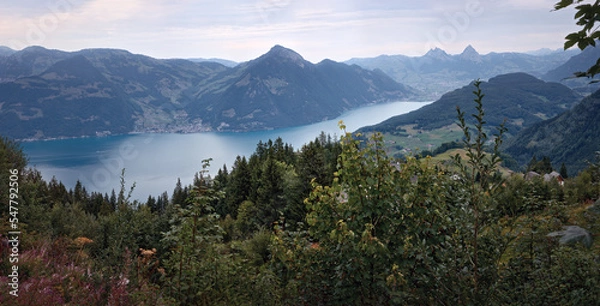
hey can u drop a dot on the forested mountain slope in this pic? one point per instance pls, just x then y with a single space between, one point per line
282 89
521 99
104 91
571 138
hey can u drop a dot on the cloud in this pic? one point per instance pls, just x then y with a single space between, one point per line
541 5
105 11
243 29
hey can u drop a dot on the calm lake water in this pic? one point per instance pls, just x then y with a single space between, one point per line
155 161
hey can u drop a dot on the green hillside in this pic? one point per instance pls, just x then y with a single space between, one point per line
519 98
282 89
571 138
332 223
103 91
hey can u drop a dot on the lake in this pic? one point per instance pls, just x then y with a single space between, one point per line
155 161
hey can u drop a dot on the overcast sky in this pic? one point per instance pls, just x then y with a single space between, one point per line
241 30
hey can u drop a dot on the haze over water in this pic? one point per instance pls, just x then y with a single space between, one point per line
155 161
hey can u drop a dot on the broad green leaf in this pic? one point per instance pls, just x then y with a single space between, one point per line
569 44
582 44
562 4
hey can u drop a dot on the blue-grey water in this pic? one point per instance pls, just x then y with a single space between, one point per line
155 161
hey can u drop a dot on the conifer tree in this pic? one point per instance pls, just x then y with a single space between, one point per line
238 187
563 171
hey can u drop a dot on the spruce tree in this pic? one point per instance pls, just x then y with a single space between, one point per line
563 171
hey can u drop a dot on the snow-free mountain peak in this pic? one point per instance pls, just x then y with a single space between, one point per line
102 91
284 53
470 54
437 53
469 50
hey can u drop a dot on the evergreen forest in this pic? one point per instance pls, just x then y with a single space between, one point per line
335 222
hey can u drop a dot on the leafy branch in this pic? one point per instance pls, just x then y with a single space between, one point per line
479 175
587 15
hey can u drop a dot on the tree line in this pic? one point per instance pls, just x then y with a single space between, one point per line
337 222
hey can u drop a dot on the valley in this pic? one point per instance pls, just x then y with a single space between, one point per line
100 92
353 153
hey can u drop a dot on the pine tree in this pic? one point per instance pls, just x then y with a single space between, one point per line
113 200
270 198
238 187
162 202
545 165
532 164
151 203
219 184
563 171
78 194
179 194
12 160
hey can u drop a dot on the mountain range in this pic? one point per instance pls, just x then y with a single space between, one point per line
221 61
438 72
544 117
578 63
519 98
51 93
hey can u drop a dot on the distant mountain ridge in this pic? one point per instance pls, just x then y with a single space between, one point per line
51 93
579 63
221 61
521 99
90 105
28 62
6 51
438 72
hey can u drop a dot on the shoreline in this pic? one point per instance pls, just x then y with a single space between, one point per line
194 128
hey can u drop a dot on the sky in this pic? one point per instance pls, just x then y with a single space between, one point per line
241 30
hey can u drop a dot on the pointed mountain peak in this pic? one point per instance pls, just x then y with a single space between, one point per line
470 54
469 50
437 53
